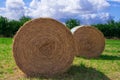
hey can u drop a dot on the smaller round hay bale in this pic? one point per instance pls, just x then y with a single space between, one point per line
43 47
90 42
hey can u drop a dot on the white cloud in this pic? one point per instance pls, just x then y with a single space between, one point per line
95 18
2 10
53 8
58 9
14 9
35 3
62 9
99 4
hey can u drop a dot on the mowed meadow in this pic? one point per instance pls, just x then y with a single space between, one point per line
106 67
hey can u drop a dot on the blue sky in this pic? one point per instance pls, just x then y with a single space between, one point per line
114 10
87 11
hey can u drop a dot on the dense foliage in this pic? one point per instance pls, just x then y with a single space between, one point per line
110 29
72 23
9 27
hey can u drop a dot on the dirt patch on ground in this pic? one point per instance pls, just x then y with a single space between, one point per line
16 75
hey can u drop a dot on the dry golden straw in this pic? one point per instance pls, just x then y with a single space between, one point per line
90 42
43 47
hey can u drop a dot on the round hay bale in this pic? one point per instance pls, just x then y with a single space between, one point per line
90 42
43 47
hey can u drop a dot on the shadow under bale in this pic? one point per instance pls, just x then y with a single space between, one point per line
103 57
79 73
109 57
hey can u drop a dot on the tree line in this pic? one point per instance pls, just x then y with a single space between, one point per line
111 29
8 28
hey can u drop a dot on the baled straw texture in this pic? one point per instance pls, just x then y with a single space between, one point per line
90 42
43 47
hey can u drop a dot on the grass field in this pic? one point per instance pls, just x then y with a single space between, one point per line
106 67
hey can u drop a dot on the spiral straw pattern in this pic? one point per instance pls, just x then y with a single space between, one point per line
43 47
90 42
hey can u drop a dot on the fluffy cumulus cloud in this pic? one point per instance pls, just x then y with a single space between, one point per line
14 9
87 11
95 18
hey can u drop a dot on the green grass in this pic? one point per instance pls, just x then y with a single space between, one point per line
106 67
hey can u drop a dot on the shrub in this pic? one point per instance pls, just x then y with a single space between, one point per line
3 25
8 28
110 30
72 23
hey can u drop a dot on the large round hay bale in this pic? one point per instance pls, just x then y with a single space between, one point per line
43 47
90 42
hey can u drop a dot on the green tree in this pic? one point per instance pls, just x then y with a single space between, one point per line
3 25
24 19
8 28
72 23
111 29
12 28
111 22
